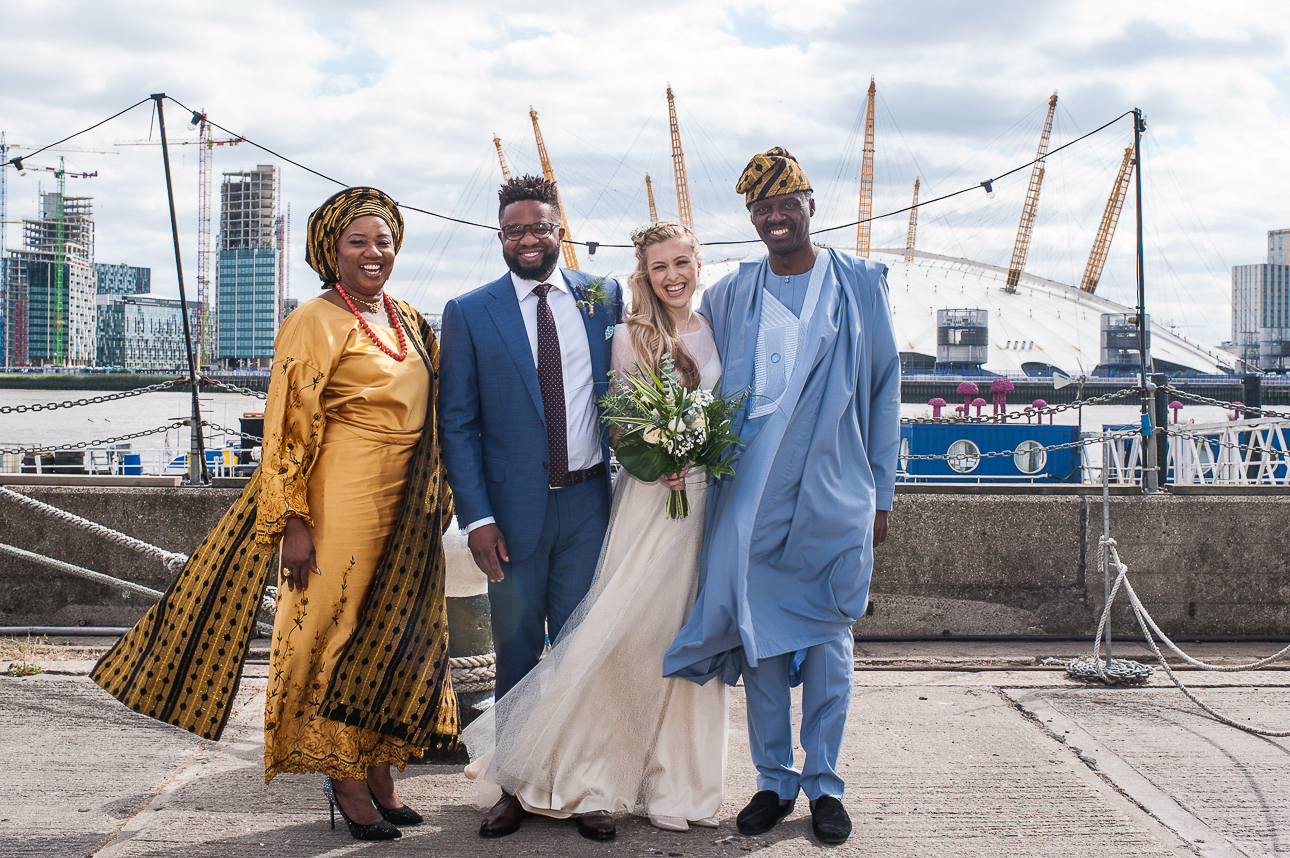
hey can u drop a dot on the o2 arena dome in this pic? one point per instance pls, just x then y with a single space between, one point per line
954 315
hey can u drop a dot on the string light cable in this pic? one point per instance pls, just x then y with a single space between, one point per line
986 184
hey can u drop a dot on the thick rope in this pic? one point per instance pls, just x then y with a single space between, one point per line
469 673
90 574
1151 630
174 562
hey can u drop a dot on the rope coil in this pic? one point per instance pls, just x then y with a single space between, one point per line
1108 555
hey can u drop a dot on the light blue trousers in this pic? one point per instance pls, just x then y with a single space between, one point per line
827 674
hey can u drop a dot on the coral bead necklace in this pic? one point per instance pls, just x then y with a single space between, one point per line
394 320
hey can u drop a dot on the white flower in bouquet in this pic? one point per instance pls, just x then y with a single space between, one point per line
653 436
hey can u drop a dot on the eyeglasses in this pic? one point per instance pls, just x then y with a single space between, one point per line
515 231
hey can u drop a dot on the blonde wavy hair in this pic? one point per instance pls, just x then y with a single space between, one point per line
652 330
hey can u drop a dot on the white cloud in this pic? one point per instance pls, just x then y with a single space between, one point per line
407 96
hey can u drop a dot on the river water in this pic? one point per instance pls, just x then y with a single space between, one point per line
151 410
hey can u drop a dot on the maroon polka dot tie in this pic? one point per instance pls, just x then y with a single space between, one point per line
551 381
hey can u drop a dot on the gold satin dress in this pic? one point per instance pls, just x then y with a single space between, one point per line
341 424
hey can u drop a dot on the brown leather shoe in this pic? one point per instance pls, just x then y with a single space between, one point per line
596 825
504 818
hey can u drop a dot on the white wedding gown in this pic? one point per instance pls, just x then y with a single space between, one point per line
595 726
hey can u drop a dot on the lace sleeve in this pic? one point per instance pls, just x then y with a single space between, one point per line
293 427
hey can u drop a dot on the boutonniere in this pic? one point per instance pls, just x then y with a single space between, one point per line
587 296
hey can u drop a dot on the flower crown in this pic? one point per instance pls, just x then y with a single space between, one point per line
641 231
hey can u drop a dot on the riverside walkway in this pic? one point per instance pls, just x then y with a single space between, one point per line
952 750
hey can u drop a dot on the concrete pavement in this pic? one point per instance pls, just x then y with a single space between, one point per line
952 750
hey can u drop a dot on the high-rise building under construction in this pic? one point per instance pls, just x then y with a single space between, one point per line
249 277
52 286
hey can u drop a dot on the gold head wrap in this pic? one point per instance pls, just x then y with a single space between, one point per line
341 209
771 174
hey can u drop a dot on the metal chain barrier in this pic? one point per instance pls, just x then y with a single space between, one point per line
1191 436
75 403
82 445
1070 445
217 429
232 388
1151 631
1209 400
1027 412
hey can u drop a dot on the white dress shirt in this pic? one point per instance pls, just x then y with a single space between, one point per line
583 422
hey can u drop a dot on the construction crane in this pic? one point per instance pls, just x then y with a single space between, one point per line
205 334
1022 245
678 165
866 178
1106 231
913 225
649 190
60 248
566 247
506 171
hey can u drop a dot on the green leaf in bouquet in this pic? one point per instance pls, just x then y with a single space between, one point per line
642 461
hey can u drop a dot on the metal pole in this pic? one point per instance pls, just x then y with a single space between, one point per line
1106 534
1150 473
197 453
1160 439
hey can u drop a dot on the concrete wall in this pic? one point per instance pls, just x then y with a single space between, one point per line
957 563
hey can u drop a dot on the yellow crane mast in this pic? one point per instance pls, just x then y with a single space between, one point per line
566 246
506 171
913 225
1110 217
866 178
1022 245
678 164
649 189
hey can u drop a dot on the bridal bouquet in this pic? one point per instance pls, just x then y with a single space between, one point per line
666 427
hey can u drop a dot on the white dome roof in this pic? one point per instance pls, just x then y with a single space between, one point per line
1043 322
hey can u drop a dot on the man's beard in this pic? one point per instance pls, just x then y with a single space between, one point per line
544 268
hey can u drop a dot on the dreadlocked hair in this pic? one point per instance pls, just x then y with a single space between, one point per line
652 329
522 188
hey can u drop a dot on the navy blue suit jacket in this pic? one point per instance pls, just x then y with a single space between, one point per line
490 407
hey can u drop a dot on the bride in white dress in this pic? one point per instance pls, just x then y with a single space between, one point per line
595 726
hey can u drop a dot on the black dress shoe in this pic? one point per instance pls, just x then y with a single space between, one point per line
396 815
596 825
504 818
829 820
762 813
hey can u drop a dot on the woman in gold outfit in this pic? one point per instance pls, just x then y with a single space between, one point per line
351 487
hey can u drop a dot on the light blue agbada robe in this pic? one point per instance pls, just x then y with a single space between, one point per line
788 540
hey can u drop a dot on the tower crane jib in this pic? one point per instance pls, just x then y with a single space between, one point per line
1022 245
1106 230
866 178
678 164
566 246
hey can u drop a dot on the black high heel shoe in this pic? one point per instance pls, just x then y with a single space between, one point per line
382 830
397 815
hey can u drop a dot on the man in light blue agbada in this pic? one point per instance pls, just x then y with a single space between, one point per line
789 538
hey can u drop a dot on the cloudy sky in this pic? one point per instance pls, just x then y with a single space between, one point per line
407 96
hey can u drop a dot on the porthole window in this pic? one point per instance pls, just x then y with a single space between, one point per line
964 456
1030 457
904 454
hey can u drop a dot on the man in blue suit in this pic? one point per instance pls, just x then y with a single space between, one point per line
523 361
